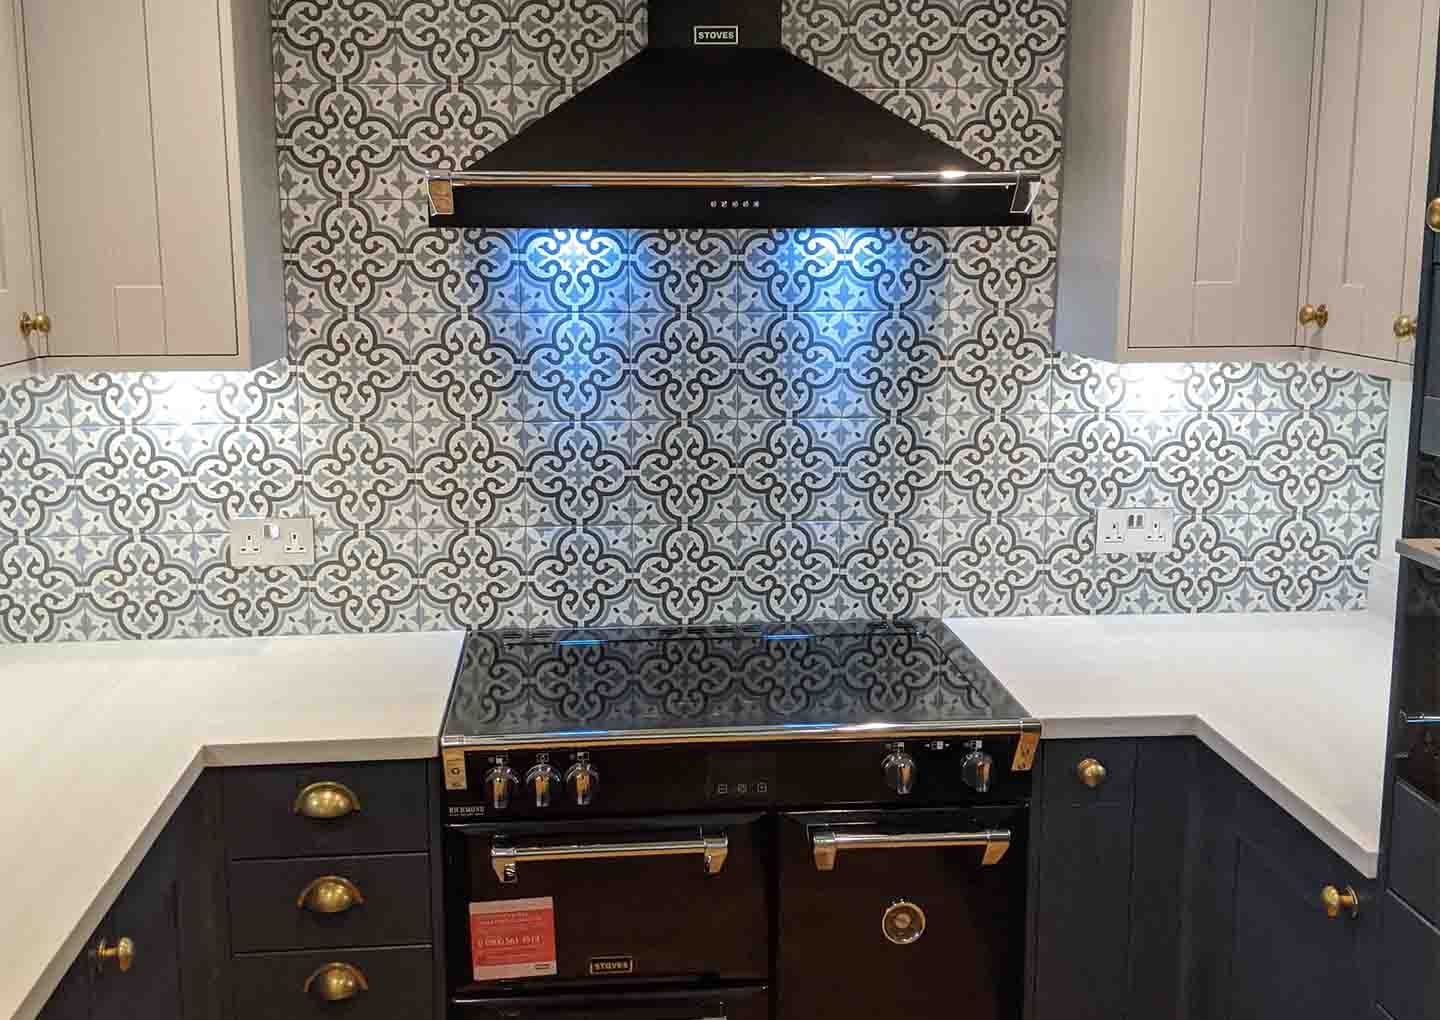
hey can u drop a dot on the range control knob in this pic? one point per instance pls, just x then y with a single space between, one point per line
500 783
582 780
542 780
975 768
899 770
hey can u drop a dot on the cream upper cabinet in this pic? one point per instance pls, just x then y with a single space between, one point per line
1187 134
19 290
1228 162
156 190
1369 179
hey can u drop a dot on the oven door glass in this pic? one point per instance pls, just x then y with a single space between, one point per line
610 903
914 914
739 1003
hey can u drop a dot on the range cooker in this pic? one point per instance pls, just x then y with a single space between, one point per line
737 823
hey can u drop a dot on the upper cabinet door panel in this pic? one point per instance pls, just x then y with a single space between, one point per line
19 293
1369 189
131 176
191 179
1223 137
95 173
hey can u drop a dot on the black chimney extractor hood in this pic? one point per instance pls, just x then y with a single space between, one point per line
715 125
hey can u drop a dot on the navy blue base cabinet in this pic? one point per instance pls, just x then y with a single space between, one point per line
1169 886
155 955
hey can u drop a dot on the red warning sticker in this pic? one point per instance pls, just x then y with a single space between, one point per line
512 938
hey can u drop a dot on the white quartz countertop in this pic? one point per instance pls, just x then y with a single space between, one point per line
99 743
1297 703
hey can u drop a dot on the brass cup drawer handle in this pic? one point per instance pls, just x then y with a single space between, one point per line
329 894
1090 772
326 800
122 953
1335 901
336 982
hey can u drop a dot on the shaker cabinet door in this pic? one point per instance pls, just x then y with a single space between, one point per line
155 190
19 290
1187 141
1223 130
146 914
1262 944
1373 148
130 176
153 955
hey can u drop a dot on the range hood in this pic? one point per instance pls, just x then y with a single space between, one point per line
715 125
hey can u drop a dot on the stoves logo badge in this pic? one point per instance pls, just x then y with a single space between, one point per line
717 35
606 966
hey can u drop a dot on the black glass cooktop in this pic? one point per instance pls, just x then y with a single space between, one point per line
652 681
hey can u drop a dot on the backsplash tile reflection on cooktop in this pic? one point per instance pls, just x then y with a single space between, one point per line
656 426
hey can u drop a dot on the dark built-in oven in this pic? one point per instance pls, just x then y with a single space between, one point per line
743 916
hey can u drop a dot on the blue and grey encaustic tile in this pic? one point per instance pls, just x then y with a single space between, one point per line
597 427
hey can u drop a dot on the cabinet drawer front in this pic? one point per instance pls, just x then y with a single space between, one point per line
1063 759
387 903
1415 851
1409 963
400 985
262 820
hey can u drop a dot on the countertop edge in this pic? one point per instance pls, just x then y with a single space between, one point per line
232 754
1365 860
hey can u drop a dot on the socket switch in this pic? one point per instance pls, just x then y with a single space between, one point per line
1137 530
272 542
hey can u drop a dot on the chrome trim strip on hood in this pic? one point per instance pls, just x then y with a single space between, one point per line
440 186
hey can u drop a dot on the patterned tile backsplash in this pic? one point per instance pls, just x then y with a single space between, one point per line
613 427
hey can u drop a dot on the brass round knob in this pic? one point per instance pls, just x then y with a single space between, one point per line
326 800
1315 315
122 953
1335 901
1405 327
1432 214
37 323
329 894
336 982
1090 772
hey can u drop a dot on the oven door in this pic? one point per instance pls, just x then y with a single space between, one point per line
914 914
617 903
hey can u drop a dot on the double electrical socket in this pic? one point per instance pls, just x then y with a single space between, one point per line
1132 531
272 542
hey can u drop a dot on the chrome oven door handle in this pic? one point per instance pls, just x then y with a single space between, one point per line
505 858
827 843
